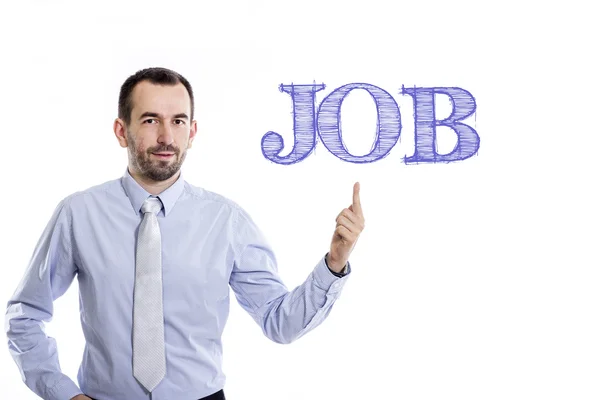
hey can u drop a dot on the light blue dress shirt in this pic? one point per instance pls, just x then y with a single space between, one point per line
209 244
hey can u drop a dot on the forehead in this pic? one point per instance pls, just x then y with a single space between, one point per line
164 99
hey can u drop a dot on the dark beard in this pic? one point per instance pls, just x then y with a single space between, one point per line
156 170
159 170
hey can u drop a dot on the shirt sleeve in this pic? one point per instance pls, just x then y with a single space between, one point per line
50 272
284 315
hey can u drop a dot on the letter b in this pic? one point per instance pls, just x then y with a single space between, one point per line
463 105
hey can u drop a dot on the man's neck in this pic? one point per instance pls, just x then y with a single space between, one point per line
153 187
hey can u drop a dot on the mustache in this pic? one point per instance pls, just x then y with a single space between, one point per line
160 149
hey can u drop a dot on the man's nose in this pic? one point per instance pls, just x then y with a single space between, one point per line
165 135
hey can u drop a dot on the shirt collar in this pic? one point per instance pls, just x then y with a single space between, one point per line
137 194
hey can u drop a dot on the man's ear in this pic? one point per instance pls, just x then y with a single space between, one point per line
193 132
120 130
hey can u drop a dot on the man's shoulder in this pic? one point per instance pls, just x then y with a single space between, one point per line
79 197
202 194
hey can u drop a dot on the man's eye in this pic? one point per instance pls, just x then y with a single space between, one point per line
179 121
149 120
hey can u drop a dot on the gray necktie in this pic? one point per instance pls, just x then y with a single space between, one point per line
148 326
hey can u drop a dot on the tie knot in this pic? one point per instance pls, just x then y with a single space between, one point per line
152 205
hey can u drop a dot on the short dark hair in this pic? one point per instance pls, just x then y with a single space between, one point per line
156 75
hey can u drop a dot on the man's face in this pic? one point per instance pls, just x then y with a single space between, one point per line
160 131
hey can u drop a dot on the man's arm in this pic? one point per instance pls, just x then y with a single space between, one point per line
50 273
283 315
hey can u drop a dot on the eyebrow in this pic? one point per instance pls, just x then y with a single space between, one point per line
156 115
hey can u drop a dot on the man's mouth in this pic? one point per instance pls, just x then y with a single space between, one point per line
163 155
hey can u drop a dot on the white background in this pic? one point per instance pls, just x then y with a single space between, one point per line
474 280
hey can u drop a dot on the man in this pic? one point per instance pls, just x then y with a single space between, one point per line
155 257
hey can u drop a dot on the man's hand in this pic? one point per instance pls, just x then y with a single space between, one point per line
81 397
349 224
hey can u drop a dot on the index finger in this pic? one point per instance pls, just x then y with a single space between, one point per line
356 199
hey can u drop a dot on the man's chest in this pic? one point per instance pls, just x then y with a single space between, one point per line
196 255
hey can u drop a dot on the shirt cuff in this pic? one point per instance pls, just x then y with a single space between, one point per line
340 274
65 389
325 278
